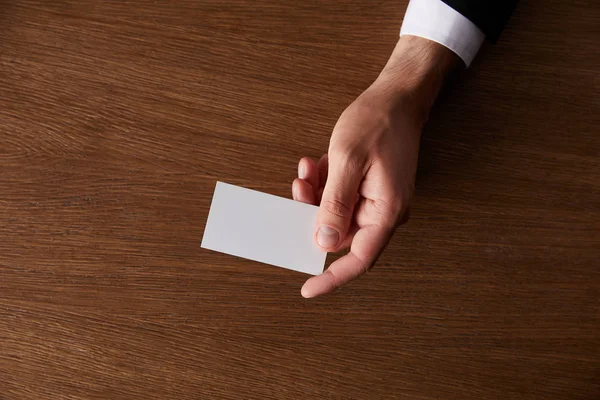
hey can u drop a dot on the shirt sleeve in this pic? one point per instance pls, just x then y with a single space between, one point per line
437 21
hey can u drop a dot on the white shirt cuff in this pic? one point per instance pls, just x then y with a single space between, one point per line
437 21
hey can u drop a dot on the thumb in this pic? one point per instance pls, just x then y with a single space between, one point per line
337 204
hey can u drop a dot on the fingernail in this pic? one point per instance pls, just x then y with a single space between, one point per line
301 170
327 237
307 294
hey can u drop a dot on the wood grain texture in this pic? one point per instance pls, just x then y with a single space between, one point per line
117 118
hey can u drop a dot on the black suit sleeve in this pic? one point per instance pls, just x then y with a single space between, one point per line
489 15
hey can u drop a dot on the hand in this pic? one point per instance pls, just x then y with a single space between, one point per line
365 183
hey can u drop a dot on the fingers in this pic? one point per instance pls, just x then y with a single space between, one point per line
322 166
305 188
366 247
303 192
309 171
337 204
391 213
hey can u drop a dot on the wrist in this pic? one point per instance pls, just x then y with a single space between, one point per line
415 73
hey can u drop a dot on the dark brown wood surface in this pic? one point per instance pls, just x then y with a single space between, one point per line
117 118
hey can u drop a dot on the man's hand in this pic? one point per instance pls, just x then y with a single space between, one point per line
364 184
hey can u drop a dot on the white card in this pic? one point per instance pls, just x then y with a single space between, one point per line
265 228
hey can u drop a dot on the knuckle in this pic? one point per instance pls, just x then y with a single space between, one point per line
347 157
404 217
337 208
334 279
397 207
393 212
363 266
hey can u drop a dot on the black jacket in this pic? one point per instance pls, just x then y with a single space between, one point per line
488 15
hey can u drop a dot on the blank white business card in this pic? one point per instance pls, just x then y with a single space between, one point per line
265 228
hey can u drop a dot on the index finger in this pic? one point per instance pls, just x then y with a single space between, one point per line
367 245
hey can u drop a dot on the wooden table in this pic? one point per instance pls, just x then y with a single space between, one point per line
117 118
